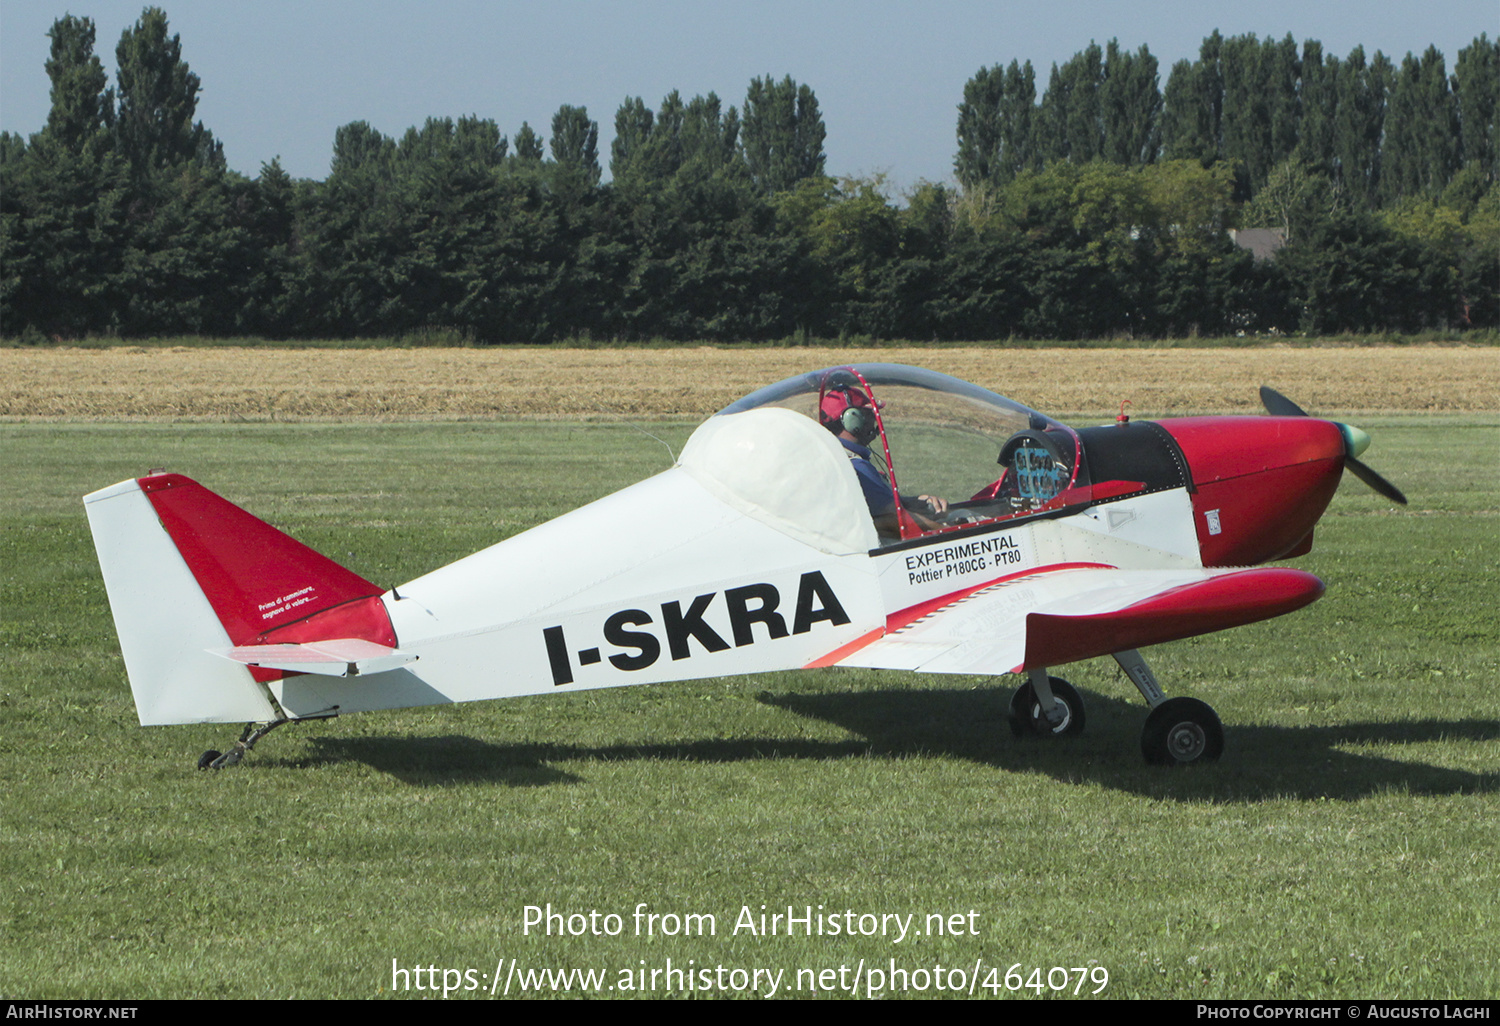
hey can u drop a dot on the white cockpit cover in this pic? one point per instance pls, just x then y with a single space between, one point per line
785 470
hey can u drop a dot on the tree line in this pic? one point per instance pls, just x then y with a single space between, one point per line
1379 132
1100 209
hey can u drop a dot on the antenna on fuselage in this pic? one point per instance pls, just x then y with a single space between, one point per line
622 420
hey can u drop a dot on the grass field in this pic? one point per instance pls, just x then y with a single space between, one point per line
1345 846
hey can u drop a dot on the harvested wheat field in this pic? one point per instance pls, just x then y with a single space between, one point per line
136 383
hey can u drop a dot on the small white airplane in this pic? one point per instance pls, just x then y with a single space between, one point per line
813 523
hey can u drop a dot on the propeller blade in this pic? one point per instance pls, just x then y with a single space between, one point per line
1374 480
1278 405
1355 442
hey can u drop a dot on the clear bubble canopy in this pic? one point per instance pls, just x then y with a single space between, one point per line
934 435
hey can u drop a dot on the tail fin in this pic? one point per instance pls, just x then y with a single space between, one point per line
190 575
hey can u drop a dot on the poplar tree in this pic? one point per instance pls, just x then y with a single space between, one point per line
1319 97
979 128
575 142
1260 103
1102 105
693 137
709 137
1208 91
12 147
995 131
1359 116
781 134
1130 106
1187 129
83 108
62 201
1281 78
660 150
273 288
1071 123
472 139
158 97
528 145
633 123
1420 146
478 140
1476 80
357 146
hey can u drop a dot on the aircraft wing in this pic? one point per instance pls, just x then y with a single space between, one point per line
1051 617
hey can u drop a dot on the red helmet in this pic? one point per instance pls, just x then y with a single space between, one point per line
846 408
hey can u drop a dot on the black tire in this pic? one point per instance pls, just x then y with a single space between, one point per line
206 760
1026 712
1182 731
1021 701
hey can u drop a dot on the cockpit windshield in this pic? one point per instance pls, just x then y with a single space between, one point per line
926 446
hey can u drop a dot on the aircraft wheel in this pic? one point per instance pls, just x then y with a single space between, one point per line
1021 701
1182 731
1026 711
206 760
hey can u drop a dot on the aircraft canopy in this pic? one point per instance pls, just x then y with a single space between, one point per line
937 435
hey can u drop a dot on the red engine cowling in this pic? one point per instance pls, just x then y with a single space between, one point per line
1260 483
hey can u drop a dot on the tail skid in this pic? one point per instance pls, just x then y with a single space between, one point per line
210 603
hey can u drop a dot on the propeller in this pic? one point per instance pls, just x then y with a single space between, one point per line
1355 443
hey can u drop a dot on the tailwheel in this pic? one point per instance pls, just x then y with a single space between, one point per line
1026 714
214 759
1180 731
252 733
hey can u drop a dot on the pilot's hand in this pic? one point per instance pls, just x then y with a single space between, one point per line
939 506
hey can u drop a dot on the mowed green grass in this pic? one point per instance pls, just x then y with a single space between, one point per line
1345 846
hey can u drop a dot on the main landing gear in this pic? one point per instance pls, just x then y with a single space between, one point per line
1178 731
1048 706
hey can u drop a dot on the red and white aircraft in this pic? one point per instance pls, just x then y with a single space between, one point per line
803 526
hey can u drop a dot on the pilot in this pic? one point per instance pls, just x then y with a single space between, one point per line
848 413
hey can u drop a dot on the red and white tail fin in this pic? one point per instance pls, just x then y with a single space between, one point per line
192 578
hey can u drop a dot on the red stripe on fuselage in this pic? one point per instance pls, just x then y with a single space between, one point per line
843 652
911 614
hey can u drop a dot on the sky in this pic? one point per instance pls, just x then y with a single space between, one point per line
279 76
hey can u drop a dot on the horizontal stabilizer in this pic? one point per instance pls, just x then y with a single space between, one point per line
340 657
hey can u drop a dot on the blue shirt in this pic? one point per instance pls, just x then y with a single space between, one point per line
876 488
